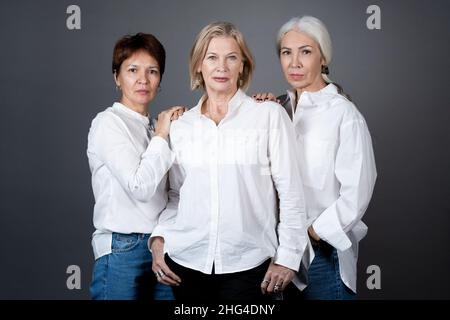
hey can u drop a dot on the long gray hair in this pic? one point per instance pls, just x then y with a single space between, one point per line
316 30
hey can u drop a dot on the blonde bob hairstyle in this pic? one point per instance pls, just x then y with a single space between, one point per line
198 52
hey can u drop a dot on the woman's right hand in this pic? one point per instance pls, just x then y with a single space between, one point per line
164 118
160 268
265 96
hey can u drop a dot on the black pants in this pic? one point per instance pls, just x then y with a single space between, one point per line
199 287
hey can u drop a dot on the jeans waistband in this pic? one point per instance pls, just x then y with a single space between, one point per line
132 235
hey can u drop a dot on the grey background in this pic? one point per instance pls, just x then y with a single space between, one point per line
54 81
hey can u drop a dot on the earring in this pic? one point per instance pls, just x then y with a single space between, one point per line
198 81
241 81
325 70
117 88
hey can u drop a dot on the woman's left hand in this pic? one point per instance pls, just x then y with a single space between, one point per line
276 278
164 118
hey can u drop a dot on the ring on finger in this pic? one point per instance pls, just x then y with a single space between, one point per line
278 286
160 273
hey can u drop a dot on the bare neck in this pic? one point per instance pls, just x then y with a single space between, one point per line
139 108
215 106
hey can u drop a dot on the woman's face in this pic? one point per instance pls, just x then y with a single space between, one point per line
222 65
138 79
301 61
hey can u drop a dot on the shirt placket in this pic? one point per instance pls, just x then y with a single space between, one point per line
213 256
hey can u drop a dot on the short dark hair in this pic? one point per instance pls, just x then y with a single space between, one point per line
128 45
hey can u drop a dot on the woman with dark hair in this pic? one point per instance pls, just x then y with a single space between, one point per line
129 157
336 160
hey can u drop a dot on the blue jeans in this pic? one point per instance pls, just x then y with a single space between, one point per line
126 273
324 278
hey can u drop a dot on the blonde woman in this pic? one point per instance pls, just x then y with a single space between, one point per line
234 228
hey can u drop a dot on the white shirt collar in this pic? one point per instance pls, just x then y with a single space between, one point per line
314 99
131 113
233 104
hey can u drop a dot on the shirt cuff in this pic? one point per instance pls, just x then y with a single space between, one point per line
159 143
289 258
328 228
160 146
157 232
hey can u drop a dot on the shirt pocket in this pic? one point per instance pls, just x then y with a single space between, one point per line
315 160
244 148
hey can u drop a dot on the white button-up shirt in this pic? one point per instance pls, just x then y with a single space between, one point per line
338 170
129 174
223 207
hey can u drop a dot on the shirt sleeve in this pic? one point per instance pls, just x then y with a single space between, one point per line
139 174
168 215
284 161
356 172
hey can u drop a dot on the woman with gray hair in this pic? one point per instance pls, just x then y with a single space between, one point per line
234 227
336 159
